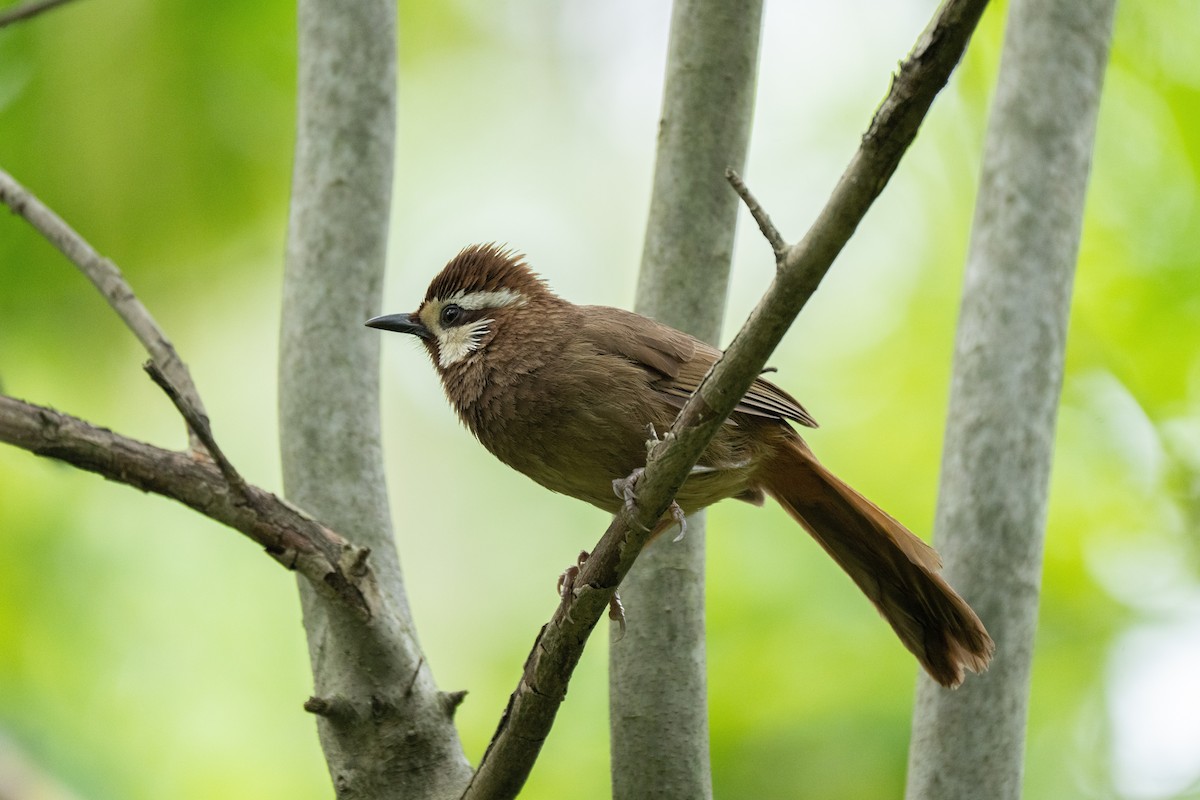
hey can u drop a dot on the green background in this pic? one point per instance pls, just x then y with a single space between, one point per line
146 652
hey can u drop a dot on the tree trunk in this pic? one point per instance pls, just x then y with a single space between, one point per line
658 703
1008 368
385 729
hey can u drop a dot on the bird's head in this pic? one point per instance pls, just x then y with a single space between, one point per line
481 290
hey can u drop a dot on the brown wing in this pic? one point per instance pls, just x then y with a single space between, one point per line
682 361
640 339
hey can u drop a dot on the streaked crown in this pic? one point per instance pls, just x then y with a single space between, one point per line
483 269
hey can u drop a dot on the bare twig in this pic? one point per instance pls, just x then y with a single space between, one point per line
200 426
330 707
452 700
104 274
533 705
774 237
290 536
28 10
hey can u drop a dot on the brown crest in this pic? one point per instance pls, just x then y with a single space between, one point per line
486 268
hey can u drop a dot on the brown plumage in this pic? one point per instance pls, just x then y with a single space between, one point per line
564 394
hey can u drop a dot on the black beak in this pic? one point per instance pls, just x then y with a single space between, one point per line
401 323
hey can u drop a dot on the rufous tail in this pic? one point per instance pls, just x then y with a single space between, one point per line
895 569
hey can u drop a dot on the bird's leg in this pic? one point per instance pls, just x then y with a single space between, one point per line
566 591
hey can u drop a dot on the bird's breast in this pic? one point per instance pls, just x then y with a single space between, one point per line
576 418
573 422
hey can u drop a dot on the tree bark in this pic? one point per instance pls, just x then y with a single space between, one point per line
657 685
385 729
1008 368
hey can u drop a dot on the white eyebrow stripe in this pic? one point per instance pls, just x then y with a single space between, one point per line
479 300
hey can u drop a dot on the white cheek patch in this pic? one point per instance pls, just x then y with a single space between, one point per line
455 344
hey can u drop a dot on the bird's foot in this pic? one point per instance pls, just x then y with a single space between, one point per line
625 488
566 591
655 440
566 583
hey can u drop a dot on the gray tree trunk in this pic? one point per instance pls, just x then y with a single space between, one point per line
385 729
658 692
1008 368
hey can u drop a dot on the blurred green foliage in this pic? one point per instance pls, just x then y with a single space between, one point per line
147 653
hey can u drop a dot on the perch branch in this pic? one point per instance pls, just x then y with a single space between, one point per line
105 276
532 707
290 536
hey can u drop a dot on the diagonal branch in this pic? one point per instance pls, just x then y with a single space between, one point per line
532 707
291 537
200 427
105 276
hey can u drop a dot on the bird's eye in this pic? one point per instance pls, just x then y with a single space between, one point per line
451 313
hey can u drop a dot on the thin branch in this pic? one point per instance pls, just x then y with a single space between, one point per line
778 245
28 10
532 707
199 425
105 276
289 535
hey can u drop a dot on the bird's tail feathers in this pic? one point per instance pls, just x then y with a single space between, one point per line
897 571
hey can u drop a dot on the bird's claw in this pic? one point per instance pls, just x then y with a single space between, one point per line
567 591
655 440
625 488
566 583
616 612
680 519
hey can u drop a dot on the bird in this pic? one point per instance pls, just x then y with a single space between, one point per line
566 393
